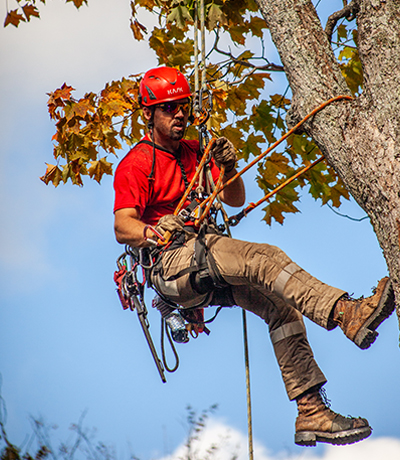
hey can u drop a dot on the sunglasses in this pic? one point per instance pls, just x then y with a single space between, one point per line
174 107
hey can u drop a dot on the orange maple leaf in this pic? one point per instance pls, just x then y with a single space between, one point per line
14 18
77 3
30 10
64 92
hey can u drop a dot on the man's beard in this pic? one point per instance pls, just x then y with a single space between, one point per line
176 136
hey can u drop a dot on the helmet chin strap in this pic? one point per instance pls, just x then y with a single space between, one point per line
150 127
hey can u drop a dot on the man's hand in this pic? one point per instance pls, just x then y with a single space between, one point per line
224 153
169 223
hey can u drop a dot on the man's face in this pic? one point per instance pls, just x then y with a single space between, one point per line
170 119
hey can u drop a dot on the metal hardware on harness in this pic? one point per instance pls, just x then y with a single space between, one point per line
131 293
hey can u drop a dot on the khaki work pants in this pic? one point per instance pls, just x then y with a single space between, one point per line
265 281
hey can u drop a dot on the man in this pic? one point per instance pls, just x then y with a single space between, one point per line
149 183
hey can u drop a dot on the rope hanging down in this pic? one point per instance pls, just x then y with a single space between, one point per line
203 116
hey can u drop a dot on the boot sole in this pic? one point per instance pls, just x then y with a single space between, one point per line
367 335
310 438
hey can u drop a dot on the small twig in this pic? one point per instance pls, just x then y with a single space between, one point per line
349 12
269 66
344 44
346 216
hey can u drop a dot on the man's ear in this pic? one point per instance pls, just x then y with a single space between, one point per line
146 113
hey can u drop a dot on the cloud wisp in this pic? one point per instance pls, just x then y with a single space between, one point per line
220 441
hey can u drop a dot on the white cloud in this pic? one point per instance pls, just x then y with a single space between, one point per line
229 444
370 449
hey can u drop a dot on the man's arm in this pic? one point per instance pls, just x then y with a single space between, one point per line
129 228
235 194
223 153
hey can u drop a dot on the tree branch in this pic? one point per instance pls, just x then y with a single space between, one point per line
270 66
349 12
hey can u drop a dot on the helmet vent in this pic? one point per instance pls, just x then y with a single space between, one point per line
151 94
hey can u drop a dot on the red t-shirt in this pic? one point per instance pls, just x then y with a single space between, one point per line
154 199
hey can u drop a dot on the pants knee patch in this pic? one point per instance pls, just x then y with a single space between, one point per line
287 330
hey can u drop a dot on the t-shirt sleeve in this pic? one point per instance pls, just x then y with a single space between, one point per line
131 184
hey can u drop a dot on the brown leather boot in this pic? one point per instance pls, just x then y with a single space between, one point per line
358 318
317 423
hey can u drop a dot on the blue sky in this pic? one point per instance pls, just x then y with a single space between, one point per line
67 346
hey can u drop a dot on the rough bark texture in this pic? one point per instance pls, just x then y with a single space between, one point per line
360 138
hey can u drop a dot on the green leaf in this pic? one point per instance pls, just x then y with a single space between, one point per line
215 16
251 146
342 32
257 26
238 33
180 15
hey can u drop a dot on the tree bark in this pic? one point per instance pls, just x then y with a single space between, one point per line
359 138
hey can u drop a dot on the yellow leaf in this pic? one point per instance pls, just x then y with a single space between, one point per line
113 104
52 174
98 168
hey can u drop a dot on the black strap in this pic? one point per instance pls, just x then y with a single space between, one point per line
176 156
183 172
204 257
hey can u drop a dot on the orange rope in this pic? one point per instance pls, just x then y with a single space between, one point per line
221 186
212 196
285 136
234 220
167 234
196 175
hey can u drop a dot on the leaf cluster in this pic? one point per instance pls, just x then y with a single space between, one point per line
350 63
24 13
90 125
95 126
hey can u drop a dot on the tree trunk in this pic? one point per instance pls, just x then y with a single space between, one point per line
359 138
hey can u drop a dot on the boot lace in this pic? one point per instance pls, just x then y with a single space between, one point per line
325 398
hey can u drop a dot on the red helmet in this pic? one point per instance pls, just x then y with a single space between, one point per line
163 84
